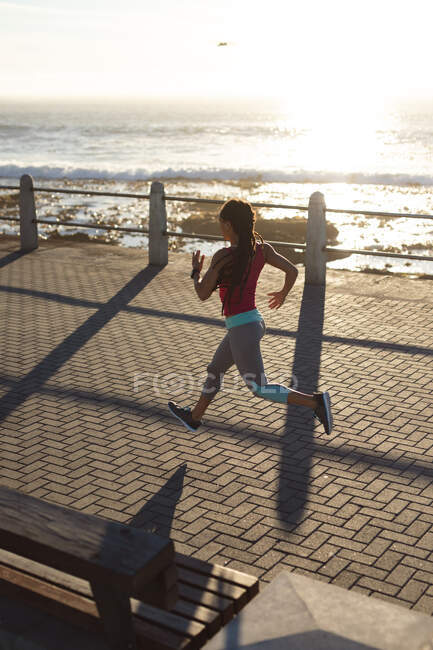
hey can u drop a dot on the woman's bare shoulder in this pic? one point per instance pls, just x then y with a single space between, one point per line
219 255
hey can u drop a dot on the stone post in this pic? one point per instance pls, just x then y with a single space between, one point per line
315 256
158 243
28 224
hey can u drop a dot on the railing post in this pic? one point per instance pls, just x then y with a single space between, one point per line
158 243
315 256
28 224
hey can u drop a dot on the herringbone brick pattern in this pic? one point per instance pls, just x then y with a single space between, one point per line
94 343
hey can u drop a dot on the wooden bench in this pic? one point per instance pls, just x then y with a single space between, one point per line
102 574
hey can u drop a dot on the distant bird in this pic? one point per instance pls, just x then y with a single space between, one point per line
223 44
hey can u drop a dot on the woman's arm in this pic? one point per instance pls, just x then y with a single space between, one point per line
280 262
205 286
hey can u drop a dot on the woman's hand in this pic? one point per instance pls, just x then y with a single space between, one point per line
197 262
278 298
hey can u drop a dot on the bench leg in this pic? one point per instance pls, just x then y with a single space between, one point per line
115 612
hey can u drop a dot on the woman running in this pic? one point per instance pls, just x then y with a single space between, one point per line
235 271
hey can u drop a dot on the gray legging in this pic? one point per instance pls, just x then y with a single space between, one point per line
241 346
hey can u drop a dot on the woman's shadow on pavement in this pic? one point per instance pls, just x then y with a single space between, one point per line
297 444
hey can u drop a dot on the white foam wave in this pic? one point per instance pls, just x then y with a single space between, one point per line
222 174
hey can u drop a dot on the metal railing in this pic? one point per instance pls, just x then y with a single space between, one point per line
316 248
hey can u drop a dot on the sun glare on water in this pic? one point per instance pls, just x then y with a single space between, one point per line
341 132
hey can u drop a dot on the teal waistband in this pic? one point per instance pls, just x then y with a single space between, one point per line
243 318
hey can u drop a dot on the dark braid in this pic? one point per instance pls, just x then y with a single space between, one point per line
235 273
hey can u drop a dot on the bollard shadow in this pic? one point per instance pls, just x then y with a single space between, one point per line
11 257
33 381
297 444
157 514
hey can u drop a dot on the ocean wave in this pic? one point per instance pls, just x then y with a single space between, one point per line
72 172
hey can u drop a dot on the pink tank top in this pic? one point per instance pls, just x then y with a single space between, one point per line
248 300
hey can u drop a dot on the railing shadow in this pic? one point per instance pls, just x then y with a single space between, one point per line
297 444
41 372
217 322
345 452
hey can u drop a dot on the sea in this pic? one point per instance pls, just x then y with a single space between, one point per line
261 151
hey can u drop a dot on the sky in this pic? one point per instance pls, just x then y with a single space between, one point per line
309 52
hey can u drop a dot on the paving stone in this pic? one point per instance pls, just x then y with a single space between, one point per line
426 541
378 586
334 566
389 560
255 533
367 534
424 605
269 559
345 579
413 591
316 539
400 575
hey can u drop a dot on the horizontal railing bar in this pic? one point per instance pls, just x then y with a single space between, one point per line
71 224
146 196
128 195
354 251
173 233
188 199
371 213
189 235
305 208
54 190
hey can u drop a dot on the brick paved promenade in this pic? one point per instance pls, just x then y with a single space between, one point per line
260 487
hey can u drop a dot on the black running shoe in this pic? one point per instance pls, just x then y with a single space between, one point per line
184 415
323 411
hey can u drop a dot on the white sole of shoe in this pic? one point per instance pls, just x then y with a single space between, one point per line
327 405
185 424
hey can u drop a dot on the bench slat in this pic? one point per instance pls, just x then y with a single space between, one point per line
150 637
164 629
153 595
68 605
170 621
45 573
78 609
208 599
209 617
226 589
209 596
249 582
81 544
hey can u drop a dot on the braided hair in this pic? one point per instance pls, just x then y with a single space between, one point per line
235 271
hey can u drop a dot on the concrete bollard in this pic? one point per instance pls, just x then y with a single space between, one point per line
315 256
158 243
28 224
